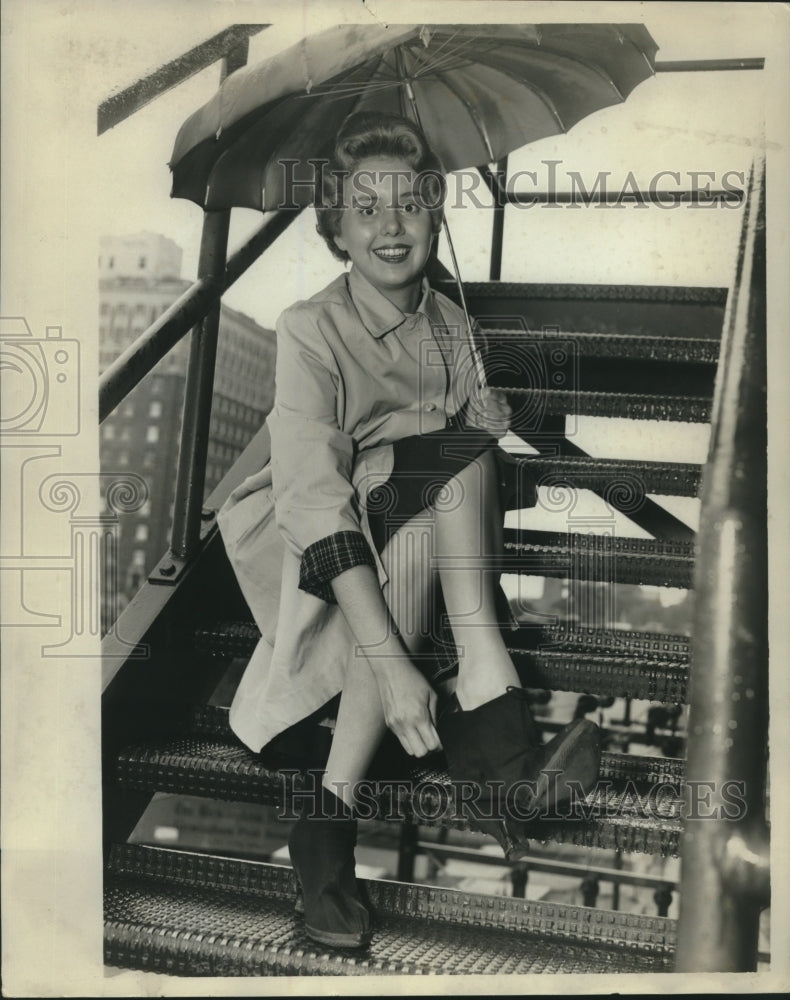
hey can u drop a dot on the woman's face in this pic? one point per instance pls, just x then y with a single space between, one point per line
385 227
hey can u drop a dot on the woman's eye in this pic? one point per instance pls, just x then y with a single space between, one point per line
411 208
367 210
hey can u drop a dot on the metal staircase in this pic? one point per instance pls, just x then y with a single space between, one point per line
633 352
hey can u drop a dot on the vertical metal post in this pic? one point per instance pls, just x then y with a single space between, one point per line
589 888
519 876
407 850
663 900
498 225
725 880
618 864
199 388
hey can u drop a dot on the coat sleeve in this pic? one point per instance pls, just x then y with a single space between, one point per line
313 458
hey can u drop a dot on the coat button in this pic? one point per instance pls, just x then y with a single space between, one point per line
429 407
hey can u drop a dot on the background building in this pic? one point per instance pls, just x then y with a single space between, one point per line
139 279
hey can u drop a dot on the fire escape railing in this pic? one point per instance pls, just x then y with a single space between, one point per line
725 866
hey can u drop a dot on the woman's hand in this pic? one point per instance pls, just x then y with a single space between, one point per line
409 704
488 410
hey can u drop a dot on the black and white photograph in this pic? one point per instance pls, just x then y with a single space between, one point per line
394 497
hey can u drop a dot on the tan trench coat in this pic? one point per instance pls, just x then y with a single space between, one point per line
353 375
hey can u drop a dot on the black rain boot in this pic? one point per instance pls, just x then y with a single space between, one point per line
499 742
321 846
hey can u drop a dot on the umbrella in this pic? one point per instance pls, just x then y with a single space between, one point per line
478 92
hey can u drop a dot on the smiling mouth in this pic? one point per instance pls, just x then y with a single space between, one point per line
392 255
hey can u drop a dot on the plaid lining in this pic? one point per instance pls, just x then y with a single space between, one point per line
329 557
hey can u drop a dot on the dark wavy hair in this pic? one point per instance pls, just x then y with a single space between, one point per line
372 133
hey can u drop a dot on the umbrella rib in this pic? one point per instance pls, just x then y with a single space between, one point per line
454 59
348 90
593 67
444 43
473 114
537 91
590 66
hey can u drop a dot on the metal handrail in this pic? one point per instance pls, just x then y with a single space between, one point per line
122 105
724 876
707 65
164 333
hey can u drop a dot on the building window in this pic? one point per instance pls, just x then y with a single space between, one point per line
128 410
108 432
141 533
111 263
155 410
152 434
123 458
145 510
138 557
141 263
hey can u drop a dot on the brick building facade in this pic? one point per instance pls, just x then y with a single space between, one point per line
139 278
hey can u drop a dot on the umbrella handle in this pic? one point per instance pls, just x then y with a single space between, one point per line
478 361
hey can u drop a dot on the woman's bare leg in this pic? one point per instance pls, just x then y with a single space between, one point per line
360 725
468 536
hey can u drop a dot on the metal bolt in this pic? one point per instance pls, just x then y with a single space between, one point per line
168 569
207 515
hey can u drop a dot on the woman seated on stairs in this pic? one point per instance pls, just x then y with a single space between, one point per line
378 514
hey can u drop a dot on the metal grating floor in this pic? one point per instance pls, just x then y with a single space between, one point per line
185 914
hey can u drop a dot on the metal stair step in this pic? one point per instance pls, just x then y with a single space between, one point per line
616 663
626 481
608 662
642 770
540 401
598 558
636 807
199 915
616 346
666 311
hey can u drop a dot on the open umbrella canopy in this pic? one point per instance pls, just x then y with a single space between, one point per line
480 91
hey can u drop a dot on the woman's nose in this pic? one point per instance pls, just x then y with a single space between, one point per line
391 222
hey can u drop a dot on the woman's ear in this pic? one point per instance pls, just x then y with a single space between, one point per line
340 243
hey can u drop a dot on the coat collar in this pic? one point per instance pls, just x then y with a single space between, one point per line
377 313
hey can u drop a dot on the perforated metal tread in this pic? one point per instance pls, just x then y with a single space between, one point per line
606 662
616 662
617 346
693 294
636 807
623 405
625 481
198 915
598 558
641 769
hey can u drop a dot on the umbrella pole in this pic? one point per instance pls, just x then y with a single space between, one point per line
478 361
